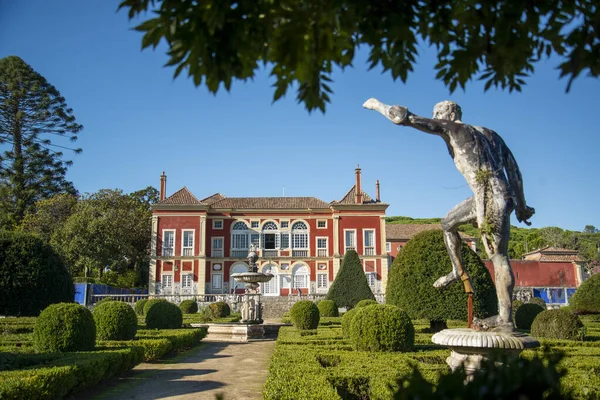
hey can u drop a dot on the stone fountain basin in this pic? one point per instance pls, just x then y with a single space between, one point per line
251 277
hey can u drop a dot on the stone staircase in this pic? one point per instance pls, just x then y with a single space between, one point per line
274 307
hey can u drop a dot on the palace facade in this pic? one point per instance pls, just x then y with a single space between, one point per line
198 244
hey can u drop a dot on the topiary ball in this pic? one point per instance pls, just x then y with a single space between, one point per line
164 315
220 309
328 308
139 306
515 305
539 301
366 302
189 306
64 327
150 303
526 314
115 321
558 324
586 299
382 327
305 315
347 320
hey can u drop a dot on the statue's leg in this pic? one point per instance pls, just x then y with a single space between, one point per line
504 278
461 214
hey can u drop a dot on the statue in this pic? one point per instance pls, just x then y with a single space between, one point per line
493 175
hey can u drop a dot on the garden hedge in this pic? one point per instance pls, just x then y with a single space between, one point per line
328 308
139 306
539 301
163 315
558 324
350 284
526 314
347 321
150 303
305 315
64 327
364 303
421 262
32 275
219 309
586 299
115 320
382 327
189 306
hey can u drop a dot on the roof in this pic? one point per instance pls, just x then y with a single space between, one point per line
181 197
553 254
350 197
213 199
407 231
270 203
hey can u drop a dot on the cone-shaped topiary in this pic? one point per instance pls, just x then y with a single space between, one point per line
350 285
382 327
586 299
164 315
328 308
558 324
189 306
364 303
64 327
526 314
115 321
420 263
305 315
150 303
347 321
539 301
139 306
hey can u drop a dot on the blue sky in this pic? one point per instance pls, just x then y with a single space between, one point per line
138 121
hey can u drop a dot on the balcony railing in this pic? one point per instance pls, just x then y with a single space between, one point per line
167 252
299 253
239 253
349 248
217 253
188 251
369 251
270 253
321 252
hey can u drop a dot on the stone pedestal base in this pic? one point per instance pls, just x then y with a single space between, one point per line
470 348
251 309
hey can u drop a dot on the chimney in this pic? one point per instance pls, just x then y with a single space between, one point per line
163 186
358 190
378 198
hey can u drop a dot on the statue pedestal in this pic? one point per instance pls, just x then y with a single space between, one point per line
251 309
470 348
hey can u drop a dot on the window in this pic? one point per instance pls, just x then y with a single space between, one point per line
168 244
285 240
188 243
254 224
371 277
285 224
350 240
369 242
217 224
217 247
186 280
388 247
167 280
321 247
239 236
217 281
322 224
299 236
321 281
300 277
255 239
270 237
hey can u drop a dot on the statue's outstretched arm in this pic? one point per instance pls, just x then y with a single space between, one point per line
401 116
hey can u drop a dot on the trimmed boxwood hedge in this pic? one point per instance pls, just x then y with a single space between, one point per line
586 299
539 301
64 327
347 321
328 308
382 327
164 315
139 306
366 302
350 284
189 306
558 324
219 309
305 315
151 302
526 314
115 320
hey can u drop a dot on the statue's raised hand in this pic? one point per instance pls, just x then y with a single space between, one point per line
396 114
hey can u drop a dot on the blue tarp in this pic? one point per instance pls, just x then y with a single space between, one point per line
554 295
96 288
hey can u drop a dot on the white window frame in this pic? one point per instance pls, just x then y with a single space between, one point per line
302 235
164 231
305 277
212 281
289 239
325 284
326 248
346 244
286 222
184 278
254 224
240 232
162 280
388 247
365 247
213 247
371 276
321 227
183 247
214 223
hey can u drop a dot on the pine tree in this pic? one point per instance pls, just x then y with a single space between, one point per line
350 285
31 112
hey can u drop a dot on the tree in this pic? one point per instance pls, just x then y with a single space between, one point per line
419 264
48 215
350 284
302 41
147 196
590 229
31 111
586 299
107 230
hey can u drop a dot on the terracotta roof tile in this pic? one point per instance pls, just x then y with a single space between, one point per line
213 199
270 202
181 197
349 198
553 254
407 231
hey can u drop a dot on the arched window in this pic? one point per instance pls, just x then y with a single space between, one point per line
270 288
235 286
299 236
300 277
239 236
270 236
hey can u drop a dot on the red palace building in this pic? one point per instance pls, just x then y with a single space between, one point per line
198 244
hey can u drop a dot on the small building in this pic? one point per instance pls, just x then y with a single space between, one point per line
198 244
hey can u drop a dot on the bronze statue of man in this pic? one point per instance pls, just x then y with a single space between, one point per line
493 175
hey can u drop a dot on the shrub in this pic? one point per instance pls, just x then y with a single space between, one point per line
347 320
328 308
558 324
515 306
382 327
305 315
420 263
104 300
150 303
139 306
115 321
586 299
539 301
350 285
219 309
32 275
64 327
189 307
164 315
526 314
364 303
